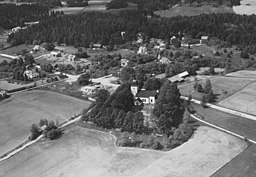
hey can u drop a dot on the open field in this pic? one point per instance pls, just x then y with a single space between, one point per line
16 49
220 84
19 112
81 152
10 86
244 100
243 165
243 74
239 125
192 11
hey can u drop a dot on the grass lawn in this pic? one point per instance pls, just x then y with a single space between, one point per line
192 11
243 165
244 100
239 125
219 84
82 152
21 110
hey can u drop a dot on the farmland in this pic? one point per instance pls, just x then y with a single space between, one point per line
243 100
222 87
82 152
192 11
239 125
21 110
243 165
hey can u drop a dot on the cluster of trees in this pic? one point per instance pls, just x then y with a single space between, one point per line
81 29
104 65
50 131
16 67
12 15
84 79
116 110
208 95
168 109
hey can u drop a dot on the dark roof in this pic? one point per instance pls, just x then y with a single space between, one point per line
146 93
134 83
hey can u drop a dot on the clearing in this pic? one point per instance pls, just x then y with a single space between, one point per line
83 152
21 110
222 87
244 100
187 10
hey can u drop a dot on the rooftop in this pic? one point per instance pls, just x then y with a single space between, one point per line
146 93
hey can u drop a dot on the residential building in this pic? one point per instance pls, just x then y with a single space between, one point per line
142 50
204 40
165 60
179 77
147 96
90 89
3 94
31 73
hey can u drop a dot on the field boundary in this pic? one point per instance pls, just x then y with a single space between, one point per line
224 166
248 85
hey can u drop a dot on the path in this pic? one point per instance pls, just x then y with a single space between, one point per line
223 109
8 56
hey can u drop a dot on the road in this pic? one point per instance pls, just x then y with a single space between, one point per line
223 109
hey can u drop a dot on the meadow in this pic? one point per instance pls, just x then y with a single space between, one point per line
83 152
21 110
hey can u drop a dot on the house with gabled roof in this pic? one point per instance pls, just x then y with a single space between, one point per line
146 96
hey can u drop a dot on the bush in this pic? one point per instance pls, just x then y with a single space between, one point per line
53 134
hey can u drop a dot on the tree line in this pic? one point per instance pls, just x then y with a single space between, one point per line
12 15
105 28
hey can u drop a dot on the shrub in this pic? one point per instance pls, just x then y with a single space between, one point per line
53 134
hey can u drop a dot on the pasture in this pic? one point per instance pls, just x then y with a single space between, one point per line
83 152
244 100
222 87
193 11
21 110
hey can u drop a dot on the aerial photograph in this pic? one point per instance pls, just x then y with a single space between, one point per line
127 88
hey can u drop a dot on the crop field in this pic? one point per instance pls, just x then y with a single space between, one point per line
222 87
21 110
239 125
243 165
244 100
192 11
83 152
